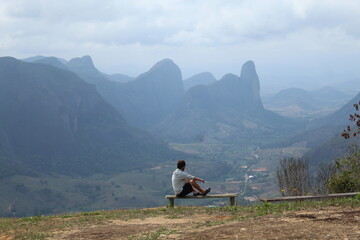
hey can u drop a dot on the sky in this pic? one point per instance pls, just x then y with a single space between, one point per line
307 43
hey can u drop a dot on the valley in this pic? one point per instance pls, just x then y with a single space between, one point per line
72 139
226 168
102 103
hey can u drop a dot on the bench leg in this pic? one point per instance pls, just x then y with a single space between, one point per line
171 200
232 201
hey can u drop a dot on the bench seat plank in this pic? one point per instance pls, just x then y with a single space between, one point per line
232 197
300 198
207 196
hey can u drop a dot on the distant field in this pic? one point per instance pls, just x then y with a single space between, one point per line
225 167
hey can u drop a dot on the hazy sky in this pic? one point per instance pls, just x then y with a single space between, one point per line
289 40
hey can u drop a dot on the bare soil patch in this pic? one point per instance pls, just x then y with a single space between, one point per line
327 223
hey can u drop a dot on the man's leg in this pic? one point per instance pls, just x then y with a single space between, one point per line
187 188
193 189
196 185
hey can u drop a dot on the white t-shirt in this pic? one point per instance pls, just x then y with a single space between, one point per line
179 178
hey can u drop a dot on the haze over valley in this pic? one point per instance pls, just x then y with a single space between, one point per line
72 138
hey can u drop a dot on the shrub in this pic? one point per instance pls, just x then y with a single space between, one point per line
347 179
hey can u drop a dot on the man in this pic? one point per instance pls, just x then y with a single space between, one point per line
183 183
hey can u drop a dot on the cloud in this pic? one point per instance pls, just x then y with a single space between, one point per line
218 35
175 22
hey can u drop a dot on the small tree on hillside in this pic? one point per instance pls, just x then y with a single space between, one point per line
353 131
293 177
347 178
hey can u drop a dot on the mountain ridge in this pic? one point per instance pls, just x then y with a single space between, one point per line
62 122
221 111
203 78
145 99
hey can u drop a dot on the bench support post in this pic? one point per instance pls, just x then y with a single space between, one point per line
232 201
171 200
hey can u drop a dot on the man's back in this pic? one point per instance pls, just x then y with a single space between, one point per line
179 178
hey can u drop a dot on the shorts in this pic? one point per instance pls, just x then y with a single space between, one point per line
187 188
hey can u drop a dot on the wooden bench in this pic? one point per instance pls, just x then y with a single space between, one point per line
315 197
232 197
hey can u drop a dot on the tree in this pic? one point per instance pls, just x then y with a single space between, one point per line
293 177
325 173
351 131
347 178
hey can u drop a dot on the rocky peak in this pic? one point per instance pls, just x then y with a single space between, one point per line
84 62
165 69
165 63
250 78
164 74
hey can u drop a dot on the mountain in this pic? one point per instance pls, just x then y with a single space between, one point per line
228 109
152 95
300 103
330 150
338 118
82 65
145 100
321 130
33 59
119 77
52 121
85 68
293 96
40 58
199 79
52 61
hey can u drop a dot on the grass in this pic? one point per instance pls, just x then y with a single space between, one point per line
154 235
42 227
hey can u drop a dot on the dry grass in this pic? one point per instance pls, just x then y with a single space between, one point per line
153 223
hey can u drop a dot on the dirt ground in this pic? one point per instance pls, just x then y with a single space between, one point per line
329 223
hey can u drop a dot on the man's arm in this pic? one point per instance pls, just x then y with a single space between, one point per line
185 175
199 179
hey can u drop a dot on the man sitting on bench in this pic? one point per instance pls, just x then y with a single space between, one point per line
184 183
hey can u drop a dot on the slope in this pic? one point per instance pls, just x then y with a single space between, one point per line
335 146
51 120
199 79
300 103
143 101
227 110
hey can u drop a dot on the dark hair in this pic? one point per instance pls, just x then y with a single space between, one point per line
181 164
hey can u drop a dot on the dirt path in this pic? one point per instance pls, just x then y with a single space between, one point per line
329 223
